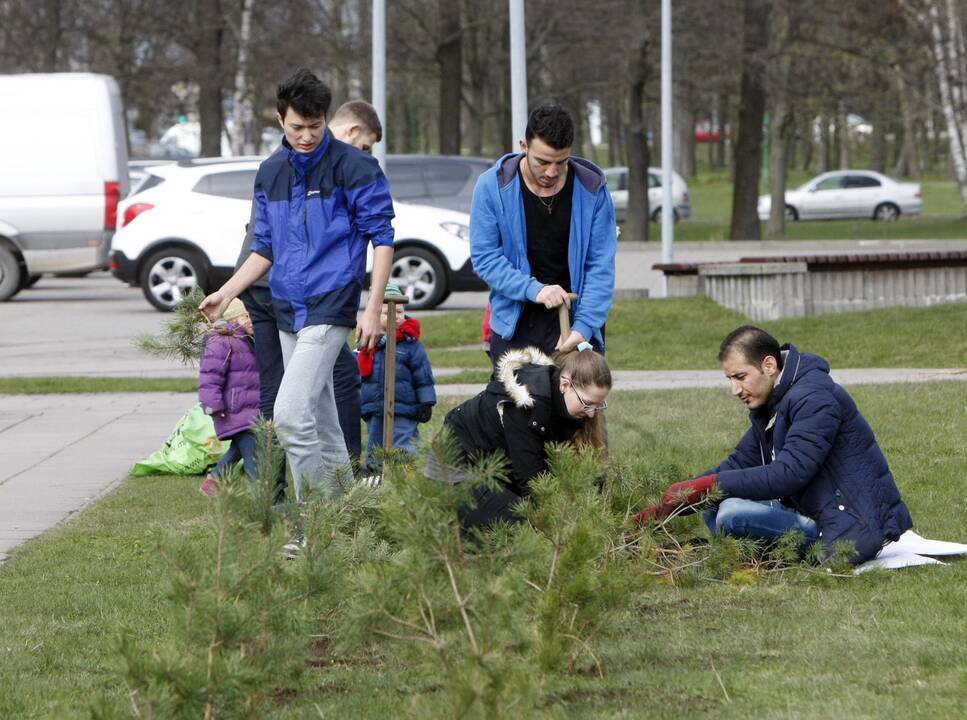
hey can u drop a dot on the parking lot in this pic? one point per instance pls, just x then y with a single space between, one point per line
86 326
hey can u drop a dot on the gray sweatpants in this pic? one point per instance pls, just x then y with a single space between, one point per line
306 420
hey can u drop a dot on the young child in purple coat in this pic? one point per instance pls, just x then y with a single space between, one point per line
228 388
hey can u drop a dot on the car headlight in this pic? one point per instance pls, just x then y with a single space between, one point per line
459 229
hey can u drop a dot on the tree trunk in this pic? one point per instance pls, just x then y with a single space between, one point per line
210 36
908 164
684 147
636 220
449 56
878 159
752 104
241 107
842 126
948 52
613 120
592 146
723 122
53 34
780 127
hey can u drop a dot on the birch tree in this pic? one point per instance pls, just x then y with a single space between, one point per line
942 19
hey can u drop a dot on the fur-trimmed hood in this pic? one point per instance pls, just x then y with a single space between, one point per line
510 364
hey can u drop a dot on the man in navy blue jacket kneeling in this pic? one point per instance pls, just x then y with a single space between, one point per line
809 461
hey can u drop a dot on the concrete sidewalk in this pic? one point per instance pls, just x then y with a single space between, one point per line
60 452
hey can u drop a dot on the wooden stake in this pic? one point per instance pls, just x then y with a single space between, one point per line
389 376
565 318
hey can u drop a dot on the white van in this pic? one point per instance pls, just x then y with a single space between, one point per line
63 169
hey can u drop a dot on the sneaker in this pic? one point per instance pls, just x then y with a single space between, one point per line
371 481
208 486
292 549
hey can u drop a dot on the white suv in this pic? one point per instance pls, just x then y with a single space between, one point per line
184 227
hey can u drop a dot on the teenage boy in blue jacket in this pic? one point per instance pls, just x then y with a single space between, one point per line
809 462
318 203
542 225
357 124
415 386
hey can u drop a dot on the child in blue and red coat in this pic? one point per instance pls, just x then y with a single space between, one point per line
228 388
415 387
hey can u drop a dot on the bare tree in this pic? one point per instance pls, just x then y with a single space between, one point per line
752 105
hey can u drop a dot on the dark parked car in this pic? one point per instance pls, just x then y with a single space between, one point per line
444 181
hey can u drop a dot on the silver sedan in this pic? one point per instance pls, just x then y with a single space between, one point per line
845 194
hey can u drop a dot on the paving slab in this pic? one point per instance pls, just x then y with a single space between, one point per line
60 452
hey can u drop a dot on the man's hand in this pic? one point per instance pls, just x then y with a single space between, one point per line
552 296
678 496
573 340
688 492
647 515
214 305
368 330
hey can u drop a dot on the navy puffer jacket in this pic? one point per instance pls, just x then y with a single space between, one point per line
228 381
811 448
415 385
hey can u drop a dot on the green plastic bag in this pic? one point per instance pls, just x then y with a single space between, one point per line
191 449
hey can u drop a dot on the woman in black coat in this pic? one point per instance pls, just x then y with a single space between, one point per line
533 400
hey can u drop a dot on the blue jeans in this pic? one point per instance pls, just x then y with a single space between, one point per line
406 434
242 448
759 519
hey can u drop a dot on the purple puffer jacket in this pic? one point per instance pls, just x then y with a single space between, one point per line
228 381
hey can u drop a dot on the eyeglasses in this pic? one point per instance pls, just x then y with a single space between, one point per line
586 405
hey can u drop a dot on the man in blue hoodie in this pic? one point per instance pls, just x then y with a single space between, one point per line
809 461
318 203
542 225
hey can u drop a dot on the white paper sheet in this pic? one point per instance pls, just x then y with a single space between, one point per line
912 549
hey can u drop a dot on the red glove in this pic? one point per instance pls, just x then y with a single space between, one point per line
679 495
685 493
646 515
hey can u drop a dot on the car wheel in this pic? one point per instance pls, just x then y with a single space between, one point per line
656 216
886 212
169 275
791 213
420 276
11 281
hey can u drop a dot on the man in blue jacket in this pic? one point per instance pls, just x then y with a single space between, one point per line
809 462
542 225
318 203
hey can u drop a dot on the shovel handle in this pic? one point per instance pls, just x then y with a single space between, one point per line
564 317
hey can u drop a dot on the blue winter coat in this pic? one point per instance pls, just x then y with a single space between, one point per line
314 215
414 380
498 246
228 381
811 448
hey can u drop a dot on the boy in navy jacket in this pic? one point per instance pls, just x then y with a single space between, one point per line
415 387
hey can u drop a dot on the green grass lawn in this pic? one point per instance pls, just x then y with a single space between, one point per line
659 334
83 384
797 645
685 333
